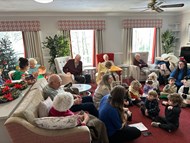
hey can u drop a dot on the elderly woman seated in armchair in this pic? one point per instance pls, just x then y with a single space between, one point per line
141 64
106 59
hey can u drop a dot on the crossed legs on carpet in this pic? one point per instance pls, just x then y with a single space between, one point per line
163 124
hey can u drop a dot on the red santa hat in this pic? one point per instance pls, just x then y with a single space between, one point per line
182 59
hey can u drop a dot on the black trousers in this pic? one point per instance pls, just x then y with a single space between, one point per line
125 134
166 125
86 105
80 78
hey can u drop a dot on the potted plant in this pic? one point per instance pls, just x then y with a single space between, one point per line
168 41
58 46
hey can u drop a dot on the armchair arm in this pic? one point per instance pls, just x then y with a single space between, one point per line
151 66
134 71
22 131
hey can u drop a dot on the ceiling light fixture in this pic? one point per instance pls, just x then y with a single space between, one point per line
44 1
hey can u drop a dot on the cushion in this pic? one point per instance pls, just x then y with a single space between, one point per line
28 109
57 122
44 107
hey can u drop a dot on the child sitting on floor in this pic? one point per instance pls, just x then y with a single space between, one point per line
184 91
172 113
169 88
151 107
147 87
61 105
135 92
153 76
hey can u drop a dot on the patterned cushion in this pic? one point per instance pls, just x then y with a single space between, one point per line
44 107
57 122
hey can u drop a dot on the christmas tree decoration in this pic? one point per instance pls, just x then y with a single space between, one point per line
8 59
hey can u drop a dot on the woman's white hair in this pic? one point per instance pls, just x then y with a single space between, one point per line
105 56
32 60
63 101
154 75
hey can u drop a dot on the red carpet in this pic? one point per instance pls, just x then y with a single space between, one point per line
181 135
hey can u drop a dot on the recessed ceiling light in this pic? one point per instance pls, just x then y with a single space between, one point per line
44 1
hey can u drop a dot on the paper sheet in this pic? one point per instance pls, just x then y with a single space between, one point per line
139 126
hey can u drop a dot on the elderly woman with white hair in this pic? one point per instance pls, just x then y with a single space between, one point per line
106 59
33 66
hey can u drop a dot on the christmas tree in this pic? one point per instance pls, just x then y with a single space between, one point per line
8 60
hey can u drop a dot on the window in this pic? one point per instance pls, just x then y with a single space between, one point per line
17 42
143 40
82 44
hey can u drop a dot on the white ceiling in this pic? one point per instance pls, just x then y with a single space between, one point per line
86 6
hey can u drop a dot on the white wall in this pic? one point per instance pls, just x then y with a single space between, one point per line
185 21
112 34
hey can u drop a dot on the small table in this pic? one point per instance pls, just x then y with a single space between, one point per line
91 71
83 88
118 70
125 72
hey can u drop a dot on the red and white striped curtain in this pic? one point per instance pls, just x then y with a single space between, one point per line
31 36
97 25
19 26
81 24
128 24
142 23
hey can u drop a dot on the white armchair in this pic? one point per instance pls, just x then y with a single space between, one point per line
59 63
135 72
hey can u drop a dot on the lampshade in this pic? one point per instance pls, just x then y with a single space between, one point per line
44 1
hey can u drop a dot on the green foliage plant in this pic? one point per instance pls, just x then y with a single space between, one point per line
168 41
58 46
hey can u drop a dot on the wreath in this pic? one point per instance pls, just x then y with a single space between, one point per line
10 91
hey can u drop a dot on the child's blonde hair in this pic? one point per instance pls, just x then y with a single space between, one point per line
42 69
153 93
153 76
135 83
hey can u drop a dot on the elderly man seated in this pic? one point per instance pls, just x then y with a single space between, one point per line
54 87
74 66
141 64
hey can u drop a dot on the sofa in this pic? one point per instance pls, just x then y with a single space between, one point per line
22 128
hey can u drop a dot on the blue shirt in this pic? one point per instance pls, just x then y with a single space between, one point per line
32 70
110 116
180 76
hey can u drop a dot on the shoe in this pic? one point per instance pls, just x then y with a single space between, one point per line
155 124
